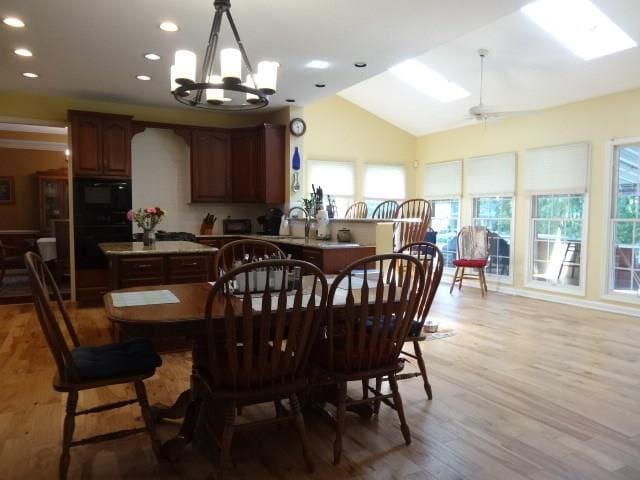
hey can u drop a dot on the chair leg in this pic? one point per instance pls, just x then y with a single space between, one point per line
423 369
365 388
147 416
461 277
397 402
227 436
67 434
483 281
298 421
376 403
453 283
342 410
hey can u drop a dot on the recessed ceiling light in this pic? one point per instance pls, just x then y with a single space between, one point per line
290 100
143 77
169 27
319 64
30 75
431 83
152 56
580 26
360 64
320 85
13 22
23 52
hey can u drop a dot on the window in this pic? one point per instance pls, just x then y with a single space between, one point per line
556 252
625 220
383 182
445 220
496 213
337 180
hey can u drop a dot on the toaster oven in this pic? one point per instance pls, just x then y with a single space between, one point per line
236 226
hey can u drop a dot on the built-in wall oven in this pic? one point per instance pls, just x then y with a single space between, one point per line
100 215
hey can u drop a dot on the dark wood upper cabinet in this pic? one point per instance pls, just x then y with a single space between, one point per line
210 165
245 157
116 147
100 144
258 164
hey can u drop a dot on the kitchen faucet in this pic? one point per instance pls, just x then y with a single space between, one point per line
307 221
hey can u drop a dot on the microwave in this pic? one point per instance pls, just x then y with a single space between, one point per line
236 226
101 201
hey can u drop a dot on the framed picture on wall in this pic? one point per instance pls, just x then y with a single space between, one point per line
7 191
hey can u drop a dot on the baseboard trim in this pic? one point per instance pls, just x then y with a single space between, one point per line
548 297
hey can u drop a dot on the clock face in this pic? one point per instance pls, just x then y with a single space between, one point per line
297 127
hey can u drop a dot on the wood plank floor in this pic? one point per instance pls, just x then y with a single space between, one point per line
524 390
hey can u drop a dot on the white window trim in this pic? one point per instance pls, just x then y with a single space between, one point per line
498 279
530 282
607 240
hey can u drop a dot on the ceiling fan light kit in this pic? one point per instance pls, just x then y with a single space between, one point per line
206 89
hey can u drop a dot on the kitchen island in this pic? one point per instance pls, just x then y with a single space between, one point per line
329 256
131 264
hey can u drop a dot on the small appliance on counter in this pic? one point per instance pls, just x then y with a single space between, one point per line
344 235
270 222
236 226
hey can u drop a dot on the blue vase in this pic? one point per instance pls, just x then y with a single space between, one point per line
295 163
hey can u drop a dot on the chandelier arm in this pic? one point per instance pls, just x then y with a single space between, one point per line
245 58
212 46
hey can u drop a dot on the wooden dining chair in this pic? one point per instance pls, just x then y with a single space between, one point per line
84 368
357 210
432 262
472 253
238 249
406 233
371 307
386 209
259 352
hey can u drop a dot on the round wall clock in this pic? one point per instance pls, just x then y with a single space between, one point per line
297 127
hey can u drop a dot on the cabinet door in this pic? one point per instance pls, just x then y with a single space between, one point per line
116 147
86 145
210 166
245 168
273 162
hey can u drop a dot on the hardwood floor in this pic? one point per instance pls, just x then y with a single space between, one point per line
524 390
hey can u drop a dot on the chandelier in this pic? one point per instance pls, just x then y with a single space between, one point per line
208 89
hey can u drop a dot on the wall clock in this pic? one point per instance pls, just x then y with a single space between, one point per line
297 127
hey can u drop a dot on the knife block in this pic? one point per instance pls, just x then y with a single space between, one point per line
206 229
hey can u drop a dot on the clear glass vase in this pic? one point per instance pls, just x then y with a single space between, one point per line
148 237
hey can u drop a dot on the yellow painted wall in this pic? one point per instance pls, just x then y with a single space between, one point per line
595 121
339 130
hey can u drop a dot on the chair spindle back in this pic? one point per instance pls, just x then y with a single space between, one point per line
264 339
385 210
412 232
357 210
237 250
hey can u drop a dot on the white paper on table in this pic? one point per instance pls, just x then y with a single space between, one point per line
151 297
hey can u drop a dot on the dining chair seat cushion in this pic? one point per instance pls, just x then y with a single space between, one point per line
131 357
414 330
462 262
358 361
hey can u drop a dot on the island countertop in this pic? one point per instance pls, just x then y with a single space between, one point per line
159 248
289 240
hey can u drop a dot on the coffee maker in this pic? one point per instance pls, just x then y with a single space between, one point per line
270 222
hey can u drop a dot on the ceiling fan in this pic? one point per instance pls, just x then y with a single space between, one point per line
482 112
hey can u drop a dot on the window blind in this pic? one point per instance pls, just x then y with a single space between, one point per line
560 169
491 174
335 178
443 179
384 182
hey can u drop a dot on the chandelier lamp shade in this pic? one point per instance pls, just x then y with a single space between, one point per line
206 88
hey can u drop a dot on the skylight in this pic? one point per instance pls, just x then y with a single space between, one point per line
431 83
580 26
